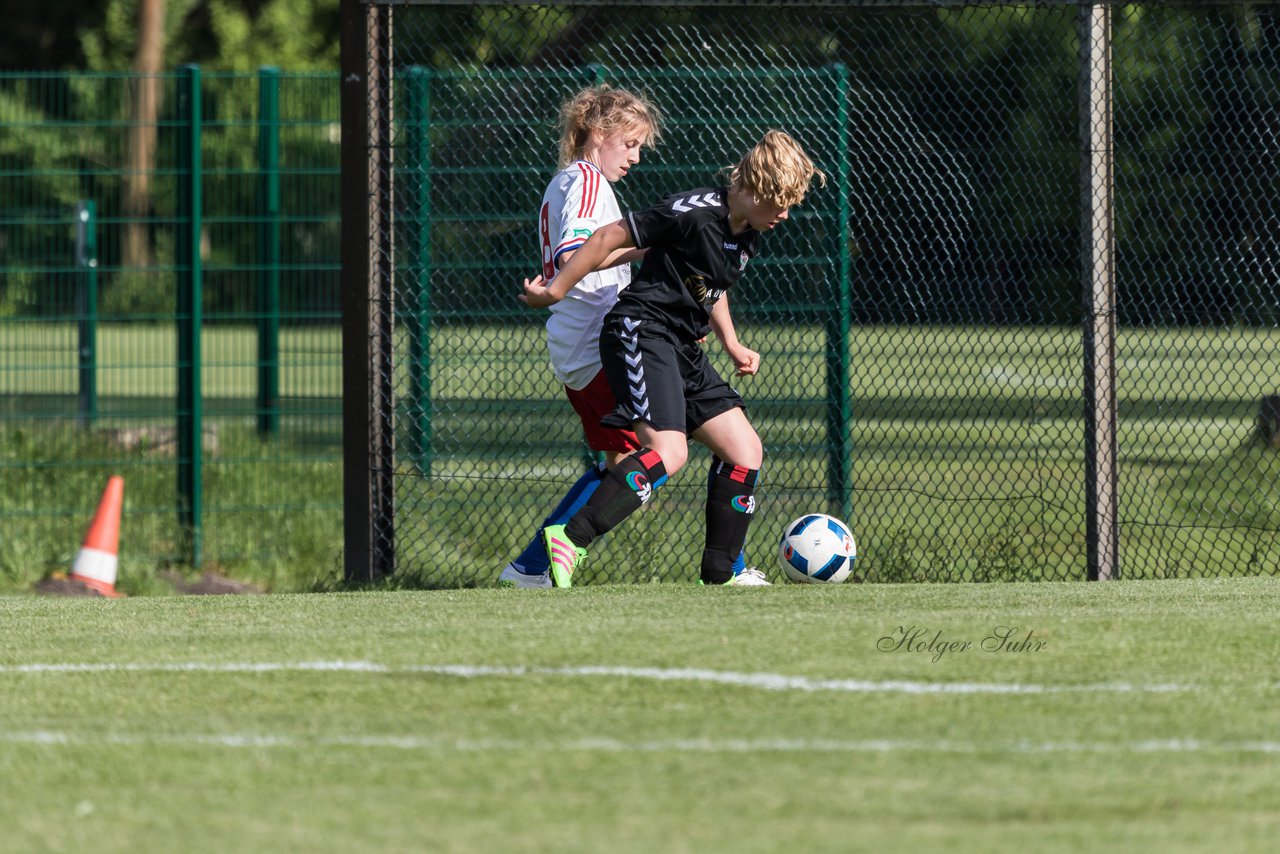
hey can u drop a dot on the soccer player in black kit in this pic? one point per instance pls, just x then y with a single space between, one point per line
699 242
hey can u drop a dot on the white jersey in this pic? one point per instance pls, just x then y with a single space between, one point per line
577 202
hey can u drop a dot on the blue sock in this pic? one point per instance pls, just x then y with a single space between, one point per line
740 563
533 560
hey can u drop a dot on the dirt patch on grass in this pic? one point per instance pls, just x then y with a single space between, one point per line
60 584
211 584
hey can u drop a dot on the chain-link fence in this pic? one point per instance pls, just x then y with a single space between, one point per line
169 312
936 346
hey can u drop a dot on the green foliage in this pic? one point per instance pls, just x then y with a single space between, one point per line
896 561
964 121
134 293
256 523
36 199
19 296
51 136
298 35
223 35
112 46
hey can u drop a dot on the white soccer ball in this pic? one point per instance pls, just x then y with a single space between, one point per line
817 549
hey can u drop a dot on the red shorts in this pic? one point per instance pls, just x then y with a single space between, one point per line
593 403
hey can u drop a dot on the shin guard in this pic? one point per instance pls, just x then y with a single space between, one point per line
625 489
731 505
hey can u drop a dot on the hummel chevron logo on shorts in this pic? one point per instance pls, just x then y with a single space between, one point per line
706 200
636 383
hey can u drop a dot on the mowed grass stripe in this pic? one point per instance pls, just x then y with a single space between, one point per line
765 681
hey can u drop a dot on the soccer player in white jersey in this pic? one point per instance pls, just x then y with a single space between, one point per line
602 132
698 244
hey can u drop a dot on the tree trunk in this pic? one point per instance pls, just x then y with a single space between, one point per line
144 108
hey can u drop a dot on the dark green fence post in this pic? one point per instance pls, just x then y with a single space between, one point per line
189 320
417 187
87 308
268 251
839 406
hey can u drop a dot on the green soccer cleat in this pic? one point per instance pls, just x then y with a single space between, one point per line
565 556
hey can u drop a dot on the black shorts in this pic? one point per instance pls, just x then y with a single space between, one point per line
669 386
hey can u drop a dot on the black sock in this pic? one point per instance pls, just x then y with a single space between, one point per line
731 506
625 488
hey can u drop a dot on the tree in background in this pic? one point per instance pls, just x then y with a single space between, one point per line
144 107
223 35
152 36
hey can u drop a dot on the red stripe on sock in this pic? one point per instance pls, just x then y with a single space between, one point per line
741 474
649 459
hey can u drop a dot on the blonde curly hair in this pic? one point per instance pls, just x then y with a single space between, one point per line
607 110
776 171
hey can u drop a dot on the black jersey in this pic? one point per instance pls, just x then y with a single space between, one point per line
693 259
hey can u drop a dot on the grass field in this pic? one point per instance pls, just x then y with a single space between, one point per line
1129 716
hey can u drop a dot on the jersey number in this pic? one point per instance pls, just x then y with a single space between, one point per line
544 231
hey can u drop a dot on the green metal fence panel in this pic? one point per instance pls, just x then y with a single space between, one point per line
269 251
130 381
190 312
935 400
87 308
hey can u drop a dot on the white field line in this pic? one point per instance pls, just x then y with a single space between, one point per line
763 681
611 745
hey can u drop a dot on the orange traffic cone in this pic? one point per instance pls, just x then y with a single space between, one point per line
95 565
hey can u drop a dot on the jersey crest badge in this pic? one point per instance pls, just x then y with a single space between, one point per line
697 287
